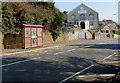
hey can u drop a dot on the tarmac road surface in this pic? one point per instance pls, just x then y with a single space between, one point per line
81 61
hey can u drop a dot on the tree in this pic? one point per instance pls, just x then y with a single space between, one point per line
45 13
12 15
57 25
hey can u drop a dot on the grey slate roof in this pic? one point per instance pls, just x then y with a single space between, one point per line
81 5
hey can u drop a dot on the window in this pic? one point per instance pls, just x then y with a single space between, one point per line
73 17
39 31
33 31
39 41
82 16
27 32
107 31
91 17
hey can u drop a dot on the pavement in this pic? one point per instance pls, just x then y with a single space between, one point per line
5 51
84 61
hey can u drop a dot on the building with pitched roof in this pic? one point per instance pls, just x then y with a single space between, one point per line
84 17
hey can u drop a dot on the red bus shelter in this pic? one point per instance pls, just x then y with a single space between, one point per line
33 36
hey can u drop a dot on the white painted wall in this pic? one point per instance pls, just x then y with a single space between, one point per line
87 25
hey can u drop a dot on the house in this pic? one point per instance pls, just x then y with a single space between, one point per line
107 31
84 17
101 24
113 26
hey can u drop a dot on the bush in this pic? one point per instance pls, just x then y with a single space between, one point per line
56 26
117 32
93 31
38 13
14 14
55 34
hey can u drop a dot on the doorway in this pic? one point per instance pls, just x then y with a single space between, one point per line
82 24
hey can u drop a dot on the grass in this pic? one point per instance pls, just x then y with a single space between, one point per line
117 32
93 31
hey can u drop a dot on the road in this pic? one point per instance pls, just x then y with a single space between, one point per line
76 61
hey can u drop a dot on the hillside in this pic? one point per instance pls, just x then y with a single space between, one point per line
37 13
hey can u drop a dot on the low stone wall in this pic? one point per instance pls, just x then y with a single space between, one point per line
64 36
47 38
73 35
116 36
88 34
1 42
11 41
100 35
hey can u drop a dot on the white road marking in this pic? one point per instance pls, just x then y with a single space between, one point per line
87 46
113 62
109 56
18 62
76 74
82 76
32 59
101 43
63 52
92 45
116 55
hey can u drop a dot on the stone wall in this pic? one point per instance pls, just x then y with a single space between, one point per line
73 35
88 34
100 35
1 42
12 41
65 36
116 36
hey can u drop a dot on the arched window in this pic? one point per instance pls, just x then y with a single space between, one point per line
82 16
73 17
91 17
